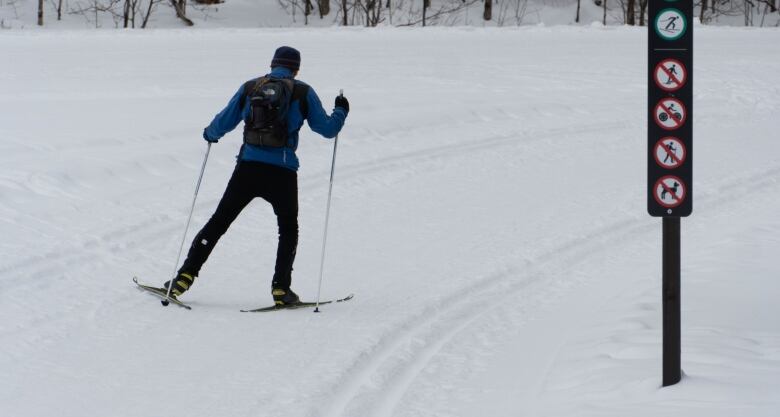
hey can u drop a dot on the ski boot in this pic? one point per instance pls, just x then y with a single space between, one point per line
181 283
285 297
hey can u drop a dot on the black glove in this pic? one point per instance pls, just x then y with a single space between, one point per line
342 102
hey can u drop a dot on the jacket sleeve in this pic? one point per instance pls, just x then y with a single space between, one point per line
227 120
318 119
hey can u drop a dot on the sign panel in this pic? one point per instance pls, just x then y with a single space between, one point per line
670 108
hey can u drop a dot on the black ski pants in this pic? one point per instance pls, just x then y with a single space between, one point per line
276 185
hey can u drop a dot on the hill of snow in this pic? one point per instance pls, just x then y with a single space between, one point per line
489 214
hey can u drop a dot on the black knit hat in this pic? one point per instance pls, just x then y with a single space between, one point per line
286 56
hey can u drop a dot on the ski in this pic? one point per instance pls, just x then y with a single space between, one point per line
302 304
160 293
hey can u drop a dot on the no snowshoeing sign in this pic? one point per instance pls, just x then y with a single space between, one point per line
670 108
670 75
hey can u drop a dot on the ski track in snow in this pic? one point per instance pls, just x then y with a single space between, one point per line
379 379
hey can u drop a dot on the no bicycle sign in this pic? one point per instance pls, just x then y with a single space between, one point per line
670 114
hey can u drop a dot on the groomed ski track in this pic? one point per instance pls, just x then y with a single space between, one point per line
493 228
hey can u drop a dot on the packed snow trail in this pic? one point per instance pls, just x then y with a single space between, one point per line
488 212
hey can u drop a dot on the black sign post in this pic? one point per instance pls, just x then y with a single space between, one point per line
670 152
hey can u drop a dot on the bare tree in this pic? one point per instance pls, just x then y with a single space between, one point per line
488 12
324 7
181 11
307 9
604 20
703 10
40 12
373 11
148 13
630 13
131 10
577 18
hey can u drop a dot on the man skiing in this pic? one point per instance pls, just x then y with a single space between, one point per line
273 108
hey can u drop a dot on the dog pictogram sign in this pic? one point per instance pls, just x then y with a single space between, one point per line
670 75
670 24
669 191
670 113
669 152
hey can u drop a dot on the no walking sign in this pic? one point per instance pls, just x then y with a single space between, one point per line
670 152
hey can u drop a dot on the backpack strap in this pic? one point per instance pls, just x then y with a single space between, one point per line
248 88
300 93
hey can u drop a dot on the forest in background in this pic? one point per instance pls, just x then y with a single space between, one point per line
372 13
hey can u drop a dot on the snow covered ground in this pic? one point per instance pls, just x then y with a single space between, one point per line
488 213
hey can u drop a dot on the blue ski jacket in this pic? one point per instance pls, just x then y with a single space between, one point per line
319 121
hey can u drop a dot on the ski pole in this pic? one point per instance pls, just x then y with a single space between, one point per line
187 227
327 216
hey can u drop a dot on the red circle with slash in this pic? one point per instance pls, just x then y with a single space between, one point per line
669 191
669 117
670 75
670 152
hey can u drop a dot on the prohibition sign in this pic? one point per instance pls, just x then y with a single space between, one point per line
669 191
670 75
669 152
669 113
670 24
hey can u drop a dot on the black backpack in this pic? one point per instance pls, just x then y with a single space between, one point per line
269 105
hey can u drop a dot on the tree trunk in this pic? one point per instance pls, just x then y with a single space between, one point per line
148 13
59 10
604 20
642 9
577 18
126 14
344 11
40 12
426 3
307 9
630 13
181 11
324 6
703 9
488 13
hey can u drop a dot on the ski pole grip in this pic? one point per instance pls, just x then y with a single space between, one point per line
341 92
